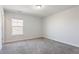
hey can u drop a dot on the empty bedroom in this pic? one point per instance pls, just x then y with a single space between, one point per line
39 29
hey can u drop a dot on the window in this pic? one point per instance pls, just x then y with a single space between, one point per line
17 27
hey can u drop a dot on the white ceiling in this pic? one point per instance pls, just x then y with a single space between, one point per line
46 10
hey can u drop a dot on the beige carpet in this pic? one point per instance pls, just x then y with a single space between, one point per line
38 46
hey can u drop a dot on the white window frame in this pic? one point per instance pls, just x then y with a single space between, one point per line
17 26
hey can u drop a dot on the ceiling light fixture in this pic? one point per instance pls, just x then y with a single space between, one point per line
38 6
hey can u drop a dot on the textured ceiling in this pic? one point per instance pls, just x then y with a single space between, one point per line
46 10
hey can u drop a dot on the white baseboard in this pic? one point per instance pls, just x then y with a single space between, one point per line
63 42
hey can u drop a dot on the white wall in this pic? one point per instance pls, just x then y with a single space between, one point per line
1 24
63 26
32 26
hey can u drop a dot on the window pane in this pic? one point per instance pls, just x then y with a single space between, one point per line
17 30
16 22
